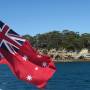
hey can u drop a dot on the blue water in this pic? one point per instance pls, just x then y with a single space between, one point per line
69 76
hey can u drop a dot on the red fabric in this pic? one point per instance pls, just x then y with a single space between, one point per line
23 60
23 69
3 61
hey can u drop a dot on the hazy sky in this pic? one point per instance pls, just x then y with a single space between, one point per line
40 16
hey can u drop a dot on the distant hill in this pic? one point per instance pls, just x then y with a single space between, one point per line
66 39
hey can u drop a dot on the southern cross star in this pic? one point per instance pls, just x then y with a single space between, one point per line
39 56
44 64
36 68
29 77
25 57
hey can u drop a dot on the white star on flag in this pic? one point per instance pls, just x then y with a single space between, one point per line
36 68
25 57
44 64
39 56
29 77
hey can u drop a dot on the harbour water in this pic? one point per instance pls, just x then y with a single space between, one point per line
69 76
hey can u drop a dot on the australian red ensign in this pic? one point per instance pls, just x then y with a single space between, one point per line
22 59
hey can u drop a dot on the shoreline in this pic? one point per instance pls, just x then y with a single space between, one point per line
70 61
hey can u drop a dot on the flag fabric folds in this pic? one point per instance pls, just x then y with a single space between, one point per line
2 59
22 59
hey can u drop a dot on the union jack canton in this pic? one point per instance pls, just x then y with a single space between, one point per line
9 40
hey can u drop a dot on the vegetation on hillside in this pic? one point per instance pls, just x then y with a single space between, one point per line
66 39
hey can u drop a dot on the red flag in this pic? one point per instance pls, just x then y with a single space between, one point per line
25 63
2 59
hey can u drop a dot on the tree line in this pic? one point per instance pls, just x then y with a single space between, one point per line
68 40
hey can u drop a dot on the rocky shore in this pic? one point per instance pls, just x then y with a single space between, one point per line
73 60
64 56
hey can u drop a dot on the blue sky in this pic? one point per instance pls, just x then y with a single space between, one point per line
40 16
